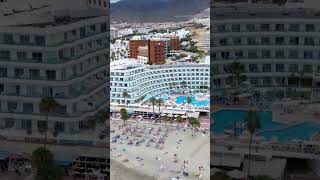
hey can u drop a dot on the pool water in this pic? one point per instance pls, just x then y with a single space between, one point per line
194 102
234 120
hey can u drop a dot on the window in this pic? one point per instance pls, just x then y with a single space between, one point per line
27 107
307 68
5 55
264 27
26 124
9 123
18 72
12 106
103 27
22 55
34 73
253 68
1 88
279 67
308 55
280 40
221 28
294 27
24 39
3 72
293 67
82 32
309 41
310 28
293 54
251 41
235 27
71 52
223 42
280 54
42 125
37 56
250 27
266 67
294 40
266 54
279 27
93 28
265 40
239 54
237 41
40 40
8 39
51 74
252 54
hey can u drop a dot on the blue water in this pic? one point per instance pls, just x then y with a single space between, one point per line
234 120
194 102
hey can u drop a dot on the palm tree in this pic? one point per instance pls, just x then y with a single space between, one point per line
252 124
165 119
125 95
184 84
194 122
47 105
159 102
124 115
101 116
179 119
153 101
42 160
237 69
189 101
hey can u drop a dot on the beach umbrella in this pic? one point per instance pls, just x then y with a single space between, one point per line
184 116
170 115
236 174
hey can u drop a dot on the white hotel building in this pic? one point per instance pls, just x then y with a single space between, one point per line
277 46
140 80
61 54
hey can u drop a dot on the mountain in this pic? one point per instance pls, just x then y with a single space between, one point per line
156 10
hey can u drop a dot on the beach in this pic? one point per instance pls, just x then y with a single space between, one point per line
118 169
154 163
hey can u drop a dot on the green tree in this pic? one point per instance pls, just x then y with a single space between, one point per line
262 177
252 124
165 119
237 71
126 95
159 102
102 116
124 115
194 122
154 102
42 160
47 106
189 101
179 119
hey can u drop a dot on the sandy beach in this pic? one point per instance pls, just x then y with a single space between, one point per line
118 169
194 149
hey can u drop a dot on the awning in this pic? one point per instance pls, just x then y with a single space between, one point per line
63 159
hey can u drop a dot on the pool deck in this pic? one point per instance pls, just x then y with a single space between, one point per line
296 113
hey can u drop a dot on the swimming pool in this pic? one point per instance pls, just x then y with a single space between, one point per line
194 102
234 120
